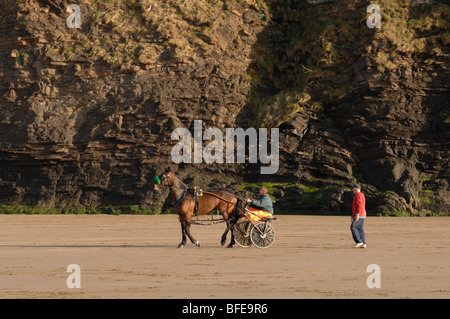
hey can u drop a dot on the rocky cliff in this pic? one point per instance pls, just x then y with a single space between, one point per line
86 114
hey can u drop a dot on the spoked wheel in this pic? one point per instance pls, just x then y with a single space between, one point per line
262 235
242 234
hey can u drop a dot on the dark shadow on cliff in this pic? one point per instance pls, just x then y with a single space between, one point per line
374 110
405 121
308 66
430 186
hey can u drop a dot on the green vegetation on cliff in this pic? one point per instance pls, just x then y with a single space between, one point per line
126 34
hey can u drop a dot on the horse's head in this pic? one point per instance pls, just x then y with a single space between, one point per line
165 179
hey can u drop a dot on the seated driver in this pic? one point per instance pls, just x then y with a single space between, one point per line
264 202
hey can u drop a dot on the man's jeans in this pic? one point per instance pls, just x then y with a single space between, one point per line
357 228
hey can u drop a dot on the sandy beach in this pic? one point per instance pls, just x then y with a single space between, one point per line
131 256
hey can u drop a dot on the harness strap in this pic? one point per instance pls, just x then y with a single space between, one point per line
182 197
196 194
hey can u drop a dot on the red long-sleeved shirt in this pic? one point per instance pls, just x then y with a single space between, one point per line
359 205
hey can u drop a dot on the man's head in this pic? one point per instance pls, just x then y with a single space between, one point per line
356 188
263 191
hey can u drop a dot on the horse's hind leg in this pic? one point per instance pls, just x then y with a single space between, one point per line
233 223
231 219
230 226
224 236
232 242
188 233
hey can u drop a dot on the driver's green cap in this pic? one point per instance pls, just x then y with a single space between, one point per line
157 180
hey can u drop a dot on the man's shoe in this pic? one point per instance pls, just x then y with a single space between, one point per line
364 246
358 245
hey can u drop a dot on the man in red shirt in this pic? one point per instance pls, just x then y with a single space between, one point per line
358 217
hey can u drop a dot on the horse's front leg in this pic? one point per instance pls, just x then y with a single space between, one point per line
183 234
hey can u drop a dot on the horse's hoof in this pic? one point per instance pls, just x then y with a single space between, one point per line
180 246
197 244
230 246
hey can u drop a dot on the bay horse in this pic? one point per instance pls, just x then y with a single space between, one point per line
183 198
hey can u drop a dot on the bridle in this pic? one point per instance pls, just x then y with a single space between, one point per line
160 180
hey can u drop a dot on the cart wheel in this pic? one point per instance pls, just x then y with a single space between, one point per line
262 235
242 234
